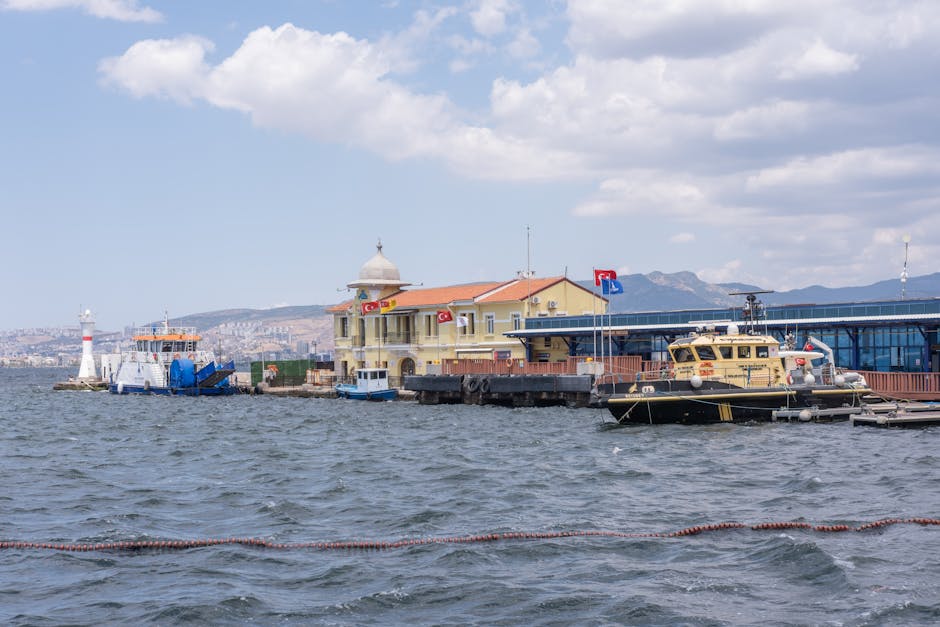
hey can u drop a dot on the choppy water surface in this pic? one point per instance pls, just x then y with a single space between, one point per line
83 467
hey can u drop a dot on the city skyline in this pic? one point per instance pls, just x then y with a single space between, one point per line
198 157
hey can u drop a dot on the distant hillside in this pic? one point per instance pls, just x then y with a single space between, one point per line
213 319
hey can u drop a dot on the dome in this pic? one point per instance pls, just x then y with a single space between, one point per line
378 271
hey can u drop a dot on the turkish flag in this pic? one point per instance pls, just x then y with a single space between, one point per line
369 307
443 316
600 275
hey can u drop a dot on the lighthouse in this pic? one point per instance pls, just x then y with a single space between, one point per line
87 370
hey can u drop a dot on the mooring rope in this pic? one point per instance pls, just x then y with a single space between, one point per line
137 545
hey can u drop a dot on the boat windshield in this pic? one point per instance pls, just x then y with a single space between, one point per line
683 354
705 353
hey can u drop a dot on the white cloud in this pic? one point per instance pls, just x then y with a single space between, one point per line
121 10
682 238
802 127
729 272
330 87
818 59
524 46
774 119
850 166
489 18
174 69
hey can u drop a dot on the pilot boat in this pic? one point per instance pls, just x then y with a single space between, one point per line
371 384
737 377
168 360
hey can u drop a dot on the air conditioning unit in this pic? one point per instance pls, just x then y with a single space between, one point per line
553 304
536 300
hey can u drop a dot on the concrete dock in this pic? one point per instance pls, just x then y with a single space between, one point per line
898 415
507 391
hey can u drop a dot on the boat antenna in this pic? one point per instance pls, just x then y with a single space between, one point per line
907 243
754 310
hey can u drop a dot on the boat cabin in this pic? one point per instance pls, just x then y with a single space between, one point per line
371 379
736 358
181 340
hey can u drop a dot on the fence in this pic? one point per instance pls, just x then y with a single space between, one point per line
618 366
922 386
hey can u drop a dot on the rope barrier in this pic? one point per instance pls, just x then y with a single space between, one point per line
471 539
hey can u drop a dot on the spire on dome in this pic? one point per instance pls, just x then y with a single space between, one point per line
378 272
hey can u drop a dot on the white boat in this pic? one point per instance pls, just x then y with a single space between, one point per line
168 360
371 385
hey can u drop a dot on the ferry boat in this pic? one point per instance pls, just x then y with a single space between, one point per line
167 360
371 384
738 377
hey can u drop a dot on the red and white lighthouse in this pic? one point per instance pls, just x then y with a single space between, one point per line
87 370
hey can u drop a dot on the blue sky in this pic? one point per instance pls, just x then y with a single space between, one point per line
193 156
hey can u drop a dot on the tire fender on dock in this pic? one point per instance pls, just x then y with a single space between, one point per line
473 384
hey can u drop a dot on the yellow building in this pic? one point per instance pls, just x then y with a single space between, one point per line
410 331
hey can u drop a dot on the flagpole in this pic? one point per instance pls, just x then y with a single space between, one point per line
594 315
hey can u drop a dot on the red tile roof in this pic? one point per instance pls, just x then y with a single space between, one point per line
489 292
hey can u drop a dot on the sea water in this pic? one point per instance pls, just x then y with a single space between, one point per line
87 467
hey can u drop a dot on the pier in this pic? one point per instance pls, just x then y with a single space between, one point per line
507 391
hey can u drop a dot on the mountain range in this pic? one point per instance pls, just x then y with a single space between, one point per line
656 291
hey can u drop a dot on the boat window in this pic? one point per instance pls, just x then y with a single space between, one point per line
683 354
744 352
726 352
382 375
763 351
705 353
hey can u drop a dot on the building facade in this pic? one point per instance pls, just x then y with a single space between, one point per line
411 331
884 336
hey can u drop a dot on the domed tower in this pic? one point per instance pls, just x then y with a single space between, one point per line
378 276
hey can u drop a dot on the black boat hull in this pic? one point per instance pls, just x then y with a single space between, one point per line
732 404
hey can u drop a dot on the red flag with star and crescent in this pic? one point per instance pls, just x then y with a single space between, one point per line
368 307
601 275
443 316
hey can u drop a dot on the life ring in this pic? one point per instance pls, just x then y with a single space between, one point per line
485 386
800 361
473 385
509 361
789 379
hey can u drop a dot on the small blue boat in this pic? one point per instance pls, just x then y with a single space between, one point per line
371 385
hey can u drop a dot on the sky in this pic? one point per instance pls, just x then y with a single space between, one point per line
188 156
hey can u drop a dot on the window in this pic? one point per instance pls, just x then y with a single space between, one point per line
516 321
726 352
683 354
490 323
430 325
548 342
763 351
705 353
470 329
744 352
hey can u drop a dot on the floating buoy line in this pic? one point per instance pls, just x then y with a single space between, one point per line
138 545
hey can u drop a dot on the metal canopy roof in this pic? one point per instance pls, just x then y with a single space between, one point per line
692 326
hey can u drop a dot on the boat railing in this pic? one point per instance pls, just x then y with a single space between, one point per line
738 375
159 329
